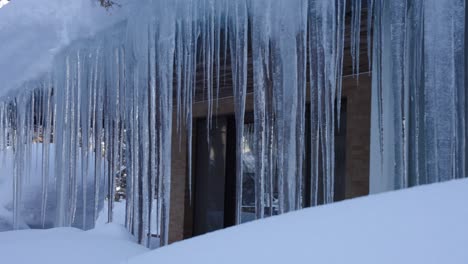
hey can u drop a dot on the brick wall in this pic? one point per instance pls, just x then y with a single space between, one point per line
358 95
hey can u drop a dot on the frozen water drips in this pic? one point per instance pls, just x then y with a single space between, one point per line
325 50
283 49
355 33
418 98
340 35
60 134
238 30
105 111
370 16
261 16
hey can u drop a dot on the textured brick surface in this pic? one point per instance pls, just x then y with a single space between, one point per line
358 96
179 172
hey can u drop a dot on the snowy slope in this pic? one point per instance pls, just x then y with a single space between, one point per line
32 32
426 224
108 244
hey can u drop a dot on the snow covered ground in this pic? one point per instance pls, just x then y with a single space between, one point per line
118 217
106 244
427 224
118 214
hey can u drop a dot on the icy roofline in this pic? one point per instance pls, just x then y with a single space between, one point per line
34 32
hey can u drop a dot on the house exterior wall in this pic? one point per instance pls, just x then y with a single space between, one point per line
357 93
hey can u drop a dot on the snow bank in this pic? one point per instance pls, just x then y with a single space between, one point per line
118 218
426 224
118 214
108 244
32 32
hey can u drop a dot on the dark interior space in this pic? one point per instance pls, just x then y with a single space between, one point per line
215 172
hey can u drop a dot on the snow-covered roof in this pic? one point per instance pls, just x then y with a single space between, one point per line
3 2
32 32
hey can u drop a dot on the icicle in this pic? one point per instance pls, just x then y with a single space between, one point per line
97 131
217 52
190 85
301 107
418 99
355 34
238 45
18 166
325 87
47 123
84 140
74 144
108 104
166 60
61 150
340 35
261 12
370 16
444 82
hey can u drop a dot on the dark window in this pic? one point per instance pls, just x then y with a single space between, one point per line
215 175
210 176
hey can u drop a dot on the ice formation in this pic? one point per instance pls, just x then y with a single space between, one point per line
418 93
356 6
107 106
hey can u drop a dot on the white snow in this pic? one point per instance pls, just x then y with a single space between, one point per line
108 244
118 214
32 32
427 224
118 217
3 3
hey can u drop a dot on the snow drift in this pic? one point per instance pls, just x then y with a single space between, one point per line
427 224
108 244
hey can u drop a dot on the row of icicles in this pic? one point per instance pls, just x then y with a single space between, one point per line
105 112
